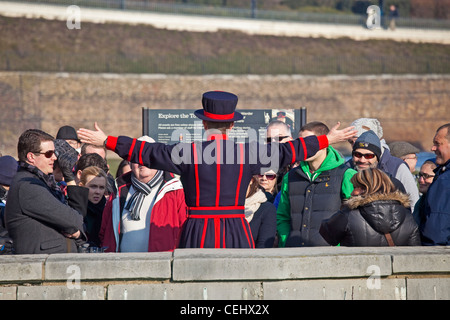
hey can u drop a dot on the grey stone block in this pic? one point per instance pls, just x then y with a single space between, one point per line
186 291
276 264
8 293
112 266
60 293
336 289
428 289
22 268
427 260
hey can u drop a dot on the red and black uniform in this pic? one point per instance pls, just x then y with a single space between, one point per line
215 175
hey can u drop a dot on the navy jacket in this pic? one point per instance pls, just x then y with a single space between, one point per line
435 222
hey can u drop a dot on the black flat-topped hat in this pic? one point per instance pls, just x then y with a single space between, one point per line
219 106
67 133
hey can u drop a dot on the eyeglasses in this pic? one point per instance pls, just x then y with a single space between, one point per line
48 154
424 175
276 139
269 176
368 156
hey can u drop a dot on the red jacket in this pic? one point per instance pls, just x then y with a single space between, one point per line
167 217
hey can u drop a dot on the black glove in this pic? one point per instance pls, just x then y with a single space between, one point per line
67 157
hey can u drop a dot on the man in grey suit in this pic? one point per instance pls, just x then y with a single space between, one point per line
39 217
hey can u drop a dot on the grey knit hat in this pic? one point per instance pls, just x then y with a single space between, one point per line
402 148
365 124
370 141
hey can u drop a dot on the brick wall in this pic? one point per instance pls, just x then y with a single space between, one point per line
410 107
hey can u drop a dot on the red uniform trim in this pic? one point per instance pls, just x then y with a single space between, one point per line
241 167
216 232
323 141
111 143
140 153
130 152
217 208
293 151
197 183
205 225
218 116
244 225
219 216
305 151
217 137
218 174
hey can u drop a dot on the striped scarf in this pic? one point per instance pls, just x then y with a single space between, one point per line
141 191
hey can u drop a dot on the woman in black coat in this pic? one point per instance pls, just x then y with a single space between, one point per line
376 215
261 215
96 180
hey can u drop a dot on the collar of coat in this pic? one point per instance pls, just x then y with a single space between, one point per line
362 200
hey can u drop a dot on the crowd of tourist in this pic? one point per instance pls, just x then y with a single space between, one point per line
60 197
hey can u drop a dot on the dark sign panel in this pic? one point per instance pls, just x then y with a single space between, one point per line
175 125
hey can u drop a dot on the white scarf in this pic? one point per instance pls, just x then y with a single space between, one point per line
252 204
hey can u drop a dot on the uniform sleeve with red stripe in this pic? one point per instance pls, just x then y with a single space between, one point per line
153 155
300 149
287 153
171 157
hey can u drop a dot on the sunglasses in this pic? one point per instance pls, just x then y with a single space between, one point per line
367 156
276 139
270 176
424 175
47 154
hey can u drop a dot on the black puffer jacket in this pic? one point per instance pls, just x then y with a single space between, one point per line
365 219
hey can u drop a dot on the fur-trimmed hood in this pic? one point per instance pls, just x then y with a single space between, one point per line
358 201
383 212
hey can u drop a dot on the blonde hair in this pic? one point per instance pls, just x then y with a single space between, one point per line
372 181
92 171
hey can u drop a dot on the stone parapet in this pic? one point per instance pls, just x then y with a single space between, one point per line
231 274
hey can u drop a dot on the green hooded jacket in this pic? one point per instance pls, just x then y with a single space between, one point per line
332 160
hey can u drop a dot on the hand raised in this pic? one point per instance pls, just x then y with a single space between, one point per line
96 137
335 135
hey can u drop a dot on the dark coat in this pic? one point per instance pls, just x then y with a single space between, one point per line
435 219
364 221
93 221
264 225
35 218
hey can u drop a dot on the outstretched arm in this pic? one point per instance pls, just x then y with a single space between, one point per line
96 137
153 155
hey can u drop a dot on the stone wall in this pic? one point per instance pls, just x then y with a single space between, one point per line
396 273
410 107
